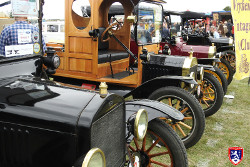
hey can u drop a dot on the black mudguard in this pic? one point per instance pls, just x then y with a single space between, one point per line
155 109
225 48
206 67
146 88
208 61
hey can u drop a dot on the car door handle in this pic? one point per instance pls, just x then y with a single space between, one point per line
2 106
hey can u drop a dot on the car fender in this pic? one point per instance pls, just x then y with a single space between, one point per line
206 67
225 48
208 61
155 109
146 88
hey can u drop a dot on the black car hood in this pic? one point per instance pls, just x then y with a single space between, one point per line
45 104
219 40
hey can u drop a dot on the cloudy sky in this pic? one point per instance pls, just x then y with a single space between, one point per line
55 8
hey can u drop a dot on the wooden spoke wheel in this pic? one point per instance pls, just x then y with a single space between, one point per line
230 57
191 128
220 77
212 94
226 68
170 153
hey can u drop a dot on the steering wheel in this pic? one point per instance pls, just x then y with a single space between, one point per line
109 30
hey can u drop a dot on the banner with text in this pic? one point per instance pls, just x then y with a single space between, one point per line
241 11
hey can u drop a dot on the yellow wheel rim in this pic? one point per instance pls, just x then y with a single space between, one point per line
224 69
214 74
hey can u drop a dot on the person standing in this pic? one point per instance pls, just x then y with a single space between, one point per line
214 32
221 29
229 28
19 33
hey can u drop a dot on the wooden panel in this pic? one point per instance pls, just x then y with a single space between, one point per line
117 66
80 45
151 48
81 56
82 65
80 22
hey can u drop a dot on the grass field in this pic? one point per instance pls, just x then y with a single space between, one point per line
229 127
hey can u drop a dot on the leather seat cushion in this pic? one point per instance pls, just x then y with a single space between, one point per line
104 55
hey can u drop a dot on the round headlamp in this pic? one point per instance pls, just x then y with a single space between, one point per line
56 61
201 73
95 157
192 75
230 42
141 124
169 51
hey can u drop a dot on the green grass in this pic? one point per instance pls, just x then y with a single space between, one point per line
229 127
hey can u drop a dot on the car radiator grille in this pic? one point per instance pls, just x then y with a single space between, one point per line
108 134
153 71
12 144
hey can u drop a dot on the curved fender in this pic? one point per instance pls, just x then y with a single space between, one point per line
224 48
155 109
206 67
227 51
146 88
209 61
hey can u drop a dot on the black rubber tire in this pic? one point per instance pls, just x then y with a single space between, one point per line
230 70
194 110
222 78
159 129
218 93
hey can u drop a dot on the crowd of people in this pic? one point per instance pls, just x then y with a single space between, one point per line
224 29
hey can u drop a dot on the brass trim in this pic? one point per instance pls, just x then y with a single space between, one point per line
103 89
211 51
132 19
90 154
136 124
231 41
188 63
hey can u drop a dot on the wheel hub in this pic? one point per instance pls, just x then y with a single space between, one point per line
144 158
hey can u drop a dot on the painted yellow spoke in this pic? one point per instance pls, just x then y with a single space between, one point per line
178 104
185 118
206 103
212 90
208 93
169 101
173 126
184 110
185 125
207 98
182 132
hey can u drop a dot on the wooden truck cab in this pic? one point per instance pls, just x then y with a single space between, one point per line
86 57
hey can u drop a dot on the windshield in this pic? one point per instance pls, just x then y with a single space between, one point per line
149 23
19 33
175 25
